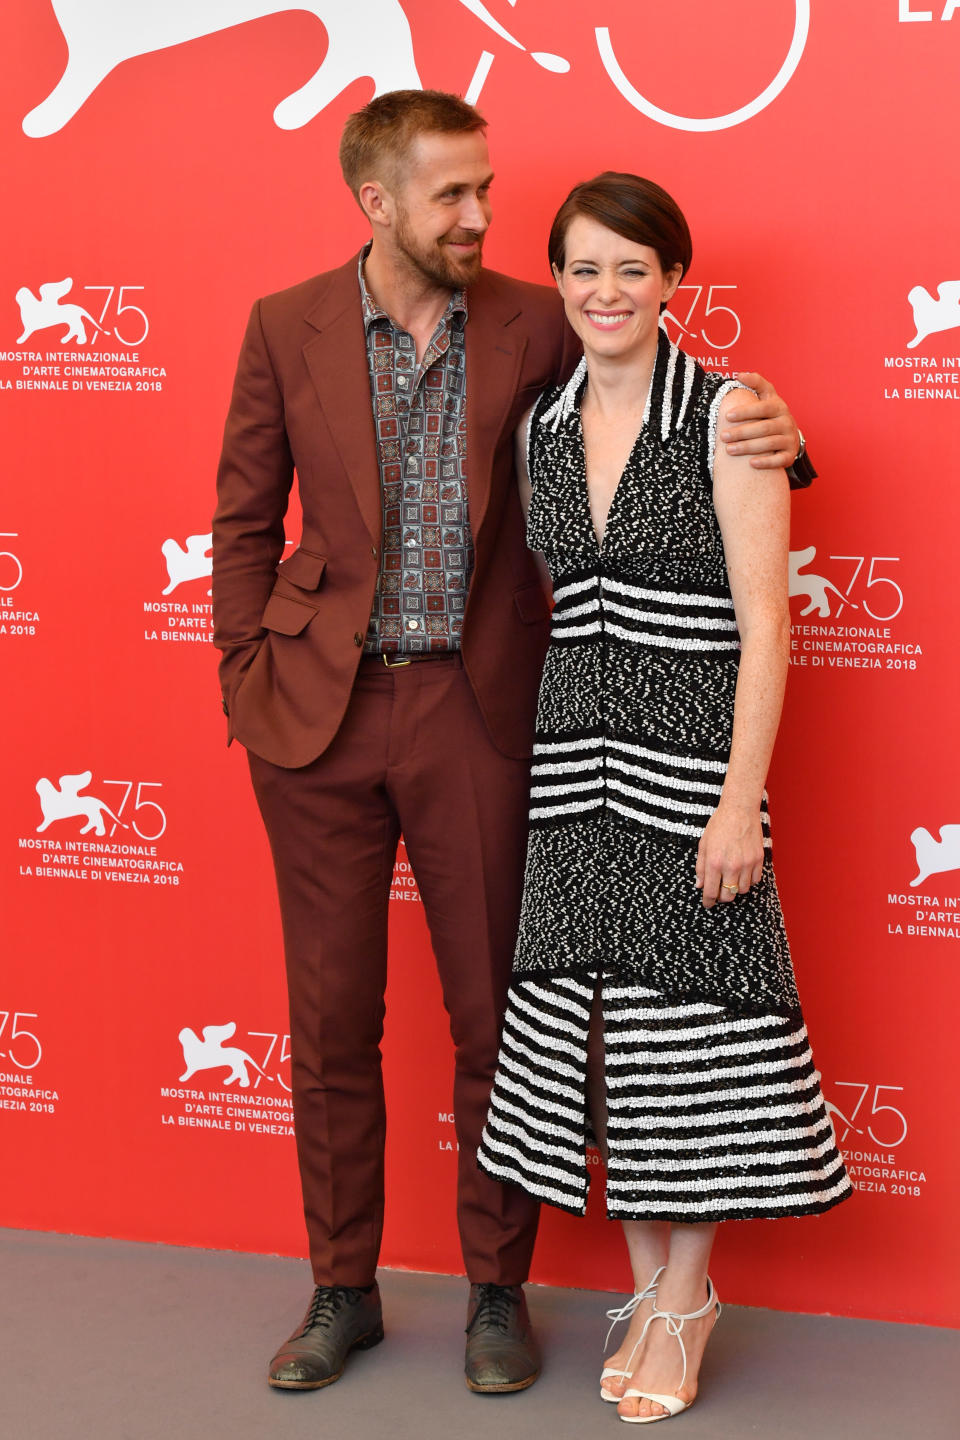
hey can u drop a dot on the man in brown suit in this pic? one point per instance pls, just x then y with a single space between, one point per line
383 678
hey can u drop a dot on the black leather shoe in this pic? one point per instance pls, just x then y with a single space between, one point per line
502 1354
339 1319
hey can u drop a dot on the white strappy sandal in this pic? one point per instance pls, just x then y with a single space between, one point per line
649 1292
675 1320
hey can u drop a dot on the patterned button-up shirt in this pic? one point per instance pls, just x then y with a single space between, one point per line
420 416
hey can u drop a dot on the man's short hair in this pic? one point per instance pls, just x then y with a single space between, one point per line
376 140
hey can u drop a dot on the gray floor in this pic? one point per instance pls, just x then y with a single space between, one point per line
99 1338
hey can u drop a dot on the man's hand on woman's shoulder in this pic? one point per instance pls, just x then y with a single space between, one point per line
760 426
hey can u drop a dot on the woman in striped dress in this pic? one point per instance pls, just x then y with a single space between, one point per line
653 1000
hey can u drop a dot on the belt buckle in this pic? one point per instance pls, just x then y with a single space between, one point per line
392 664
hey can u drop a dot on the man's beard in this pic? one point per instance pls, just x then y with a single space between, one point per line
433 262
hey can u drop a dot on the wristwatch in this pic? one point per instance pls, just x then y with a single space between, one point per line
801 473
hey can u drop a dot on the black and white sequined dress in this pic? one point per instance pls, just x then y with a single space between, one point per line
714 1104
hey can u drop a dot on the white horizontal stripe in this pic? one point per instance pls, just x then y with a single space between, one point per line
662 802
532 1132
660 1012
671 642
520 1177
657 821
566 767
548 993
624 1104
692 1164
678 1144
574 587
660 757
546 812
563 612
544 792
743 1202
668 597
746 1050
550 747
527 1166
703 1077
673 782
511 1024
551 1023
758 1183
715 1119
520 1081
676 622
632 1034
631 992
564 630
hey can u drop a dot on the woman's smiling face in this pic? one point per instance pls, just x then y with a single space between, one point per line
612 290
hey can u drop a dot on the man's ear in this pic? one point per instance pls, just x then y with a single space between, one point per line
376 202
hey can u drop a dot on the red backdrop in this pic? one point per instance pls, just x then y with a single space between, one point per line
157 180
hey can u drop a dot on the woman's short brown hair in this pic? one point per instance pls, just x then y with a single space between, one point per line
377 139
632 207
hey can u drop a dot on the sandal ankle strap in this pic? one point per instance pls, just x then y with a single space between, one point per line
675 1321
626 1311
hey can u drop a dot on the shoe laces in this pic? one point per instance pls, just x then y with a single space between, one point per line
495 1304
328 1301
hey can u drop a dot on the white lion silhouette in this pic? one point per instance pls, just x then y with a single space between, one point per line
931 316
935 857
194 562
210 1053
66 803
370 40
813 586
47 311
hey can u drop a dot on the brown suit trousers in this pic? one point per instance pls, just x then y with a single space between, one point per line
412 755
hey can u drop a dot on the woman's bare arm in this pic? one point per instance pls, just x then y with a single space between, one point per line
755 524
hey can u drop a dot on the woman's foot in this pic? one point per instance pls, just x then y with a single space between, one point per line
659 1364
628 1355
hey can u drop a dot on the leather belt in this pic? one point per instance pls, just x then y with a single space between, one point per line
396 660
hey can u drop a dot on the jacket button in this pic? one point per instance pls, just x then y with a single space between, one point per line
373 551
358 638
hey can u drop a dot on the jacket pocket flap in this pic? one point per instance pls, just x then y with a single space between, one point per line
286 616
531 603
303 569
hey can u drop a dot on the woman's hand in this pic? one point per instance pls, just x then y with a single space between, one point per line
730 854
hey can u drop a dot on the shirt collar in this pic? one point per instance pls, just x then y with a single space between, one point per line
456 308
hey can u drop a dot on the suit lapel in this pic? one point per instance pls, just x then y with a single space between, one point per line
494 357
337 361
336 358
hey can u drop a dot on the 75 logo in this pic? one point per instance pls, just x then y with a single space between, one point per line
65 801
879 1127
22 1049
865 575
723 334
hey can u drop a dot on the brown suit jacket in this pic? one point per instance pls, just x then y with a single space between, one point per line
291 630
